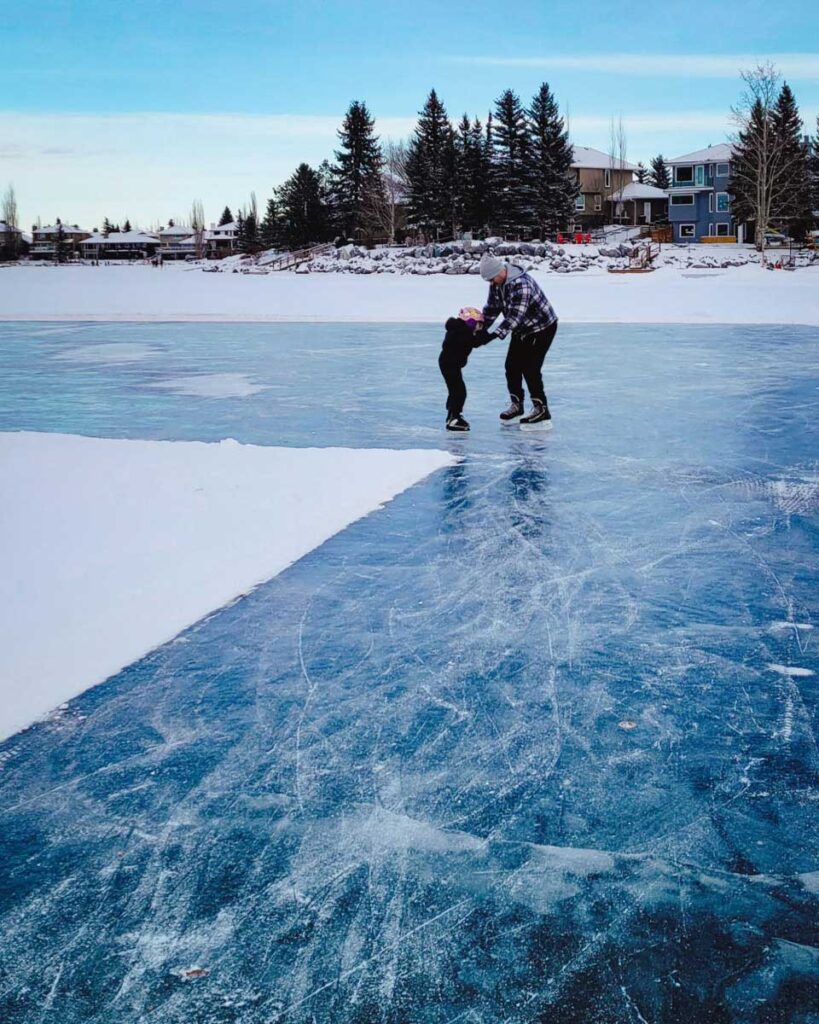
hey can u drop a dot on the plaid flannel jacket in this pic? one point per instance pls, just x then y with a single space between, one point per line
524 306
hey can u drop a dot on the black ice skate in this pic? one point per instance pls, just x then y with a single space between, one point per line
538 419
457 423
514 412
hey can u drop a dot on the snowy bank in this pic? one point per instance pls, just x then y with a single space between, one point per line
111 547
748 294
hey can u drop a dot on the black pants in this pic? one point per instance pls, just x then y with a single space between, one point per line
524 361
452 360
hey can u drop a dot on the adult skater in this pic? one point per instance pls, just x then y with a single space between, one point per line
529 315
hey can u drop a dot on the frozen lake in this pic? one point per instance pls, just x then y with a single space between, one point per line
536 742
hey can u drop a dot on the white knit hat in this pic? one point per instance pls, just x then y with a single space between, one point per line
491 266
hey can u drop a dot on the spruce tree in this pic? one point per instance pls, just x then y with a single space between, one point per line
303 215
552 154
659 176
60 244
270 228
813 172
357 171
241 234
127 226
107 227
512 167
251 233
796 202
431 170
226 218
642 173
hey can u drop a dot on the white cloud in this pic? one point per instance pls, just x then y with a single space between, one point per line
792 65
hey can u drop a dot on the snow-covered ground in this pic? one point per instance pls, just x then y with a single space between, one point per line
111 547
746 294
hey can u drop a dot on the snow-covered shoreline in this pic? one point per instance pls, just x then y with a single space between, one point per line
748 294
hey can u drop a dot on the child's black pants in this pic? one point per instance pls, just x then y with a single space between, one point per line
453 358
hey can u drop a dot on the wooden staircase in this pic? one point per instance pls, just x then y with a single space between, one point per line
290 260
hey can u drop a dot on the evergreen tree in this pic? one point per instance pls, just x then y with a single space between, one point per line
659 176
813 171
251 233
107 227
553 183
303 215
127 226
796 207
642 173
431 168
356 175
226 218
270 229
512 167
241 233
60 243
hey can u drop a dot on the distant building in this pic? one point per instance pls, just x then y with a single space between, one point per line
699 204
120 245
176 242
639 204
44 240
220 240
10 241
599 175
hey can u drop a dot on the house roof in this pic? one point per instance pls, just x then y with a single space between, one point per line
68 229
233 226
120 236
634 190
713 154
4 228
177 229
595 159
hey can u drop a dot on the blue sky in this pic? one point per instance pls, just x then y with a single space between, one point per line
135 108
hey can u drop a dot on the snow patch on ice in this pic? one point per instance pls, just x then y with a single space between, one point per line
212 385
111 547
791 670
112 352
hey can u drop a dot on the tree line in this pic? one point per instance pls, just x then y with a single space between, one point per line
510 174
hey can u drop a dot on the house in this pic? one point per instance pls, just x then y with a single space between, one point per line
120 245
638 204
699 207
44 240
599 175
10 241
220 240
176 242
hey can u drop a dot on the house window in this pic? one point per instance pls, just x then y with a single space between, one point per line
684 175
710 202
580 203
722 202
607 178
598 203
723 170
687 230
723 230
682 200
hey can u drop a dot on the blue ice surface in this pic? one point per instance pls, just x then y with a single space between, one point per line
510 749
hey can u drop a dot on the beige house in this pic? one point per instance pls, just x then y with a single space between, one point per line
599 176
44 240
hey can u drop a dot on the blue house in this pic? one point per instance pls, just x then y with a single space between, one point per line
699 207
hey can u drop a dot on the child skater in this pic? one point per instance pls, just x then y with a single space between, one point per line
463 333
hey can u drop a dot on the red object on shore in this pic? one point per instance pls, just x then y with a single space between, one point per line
578 238
560 238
